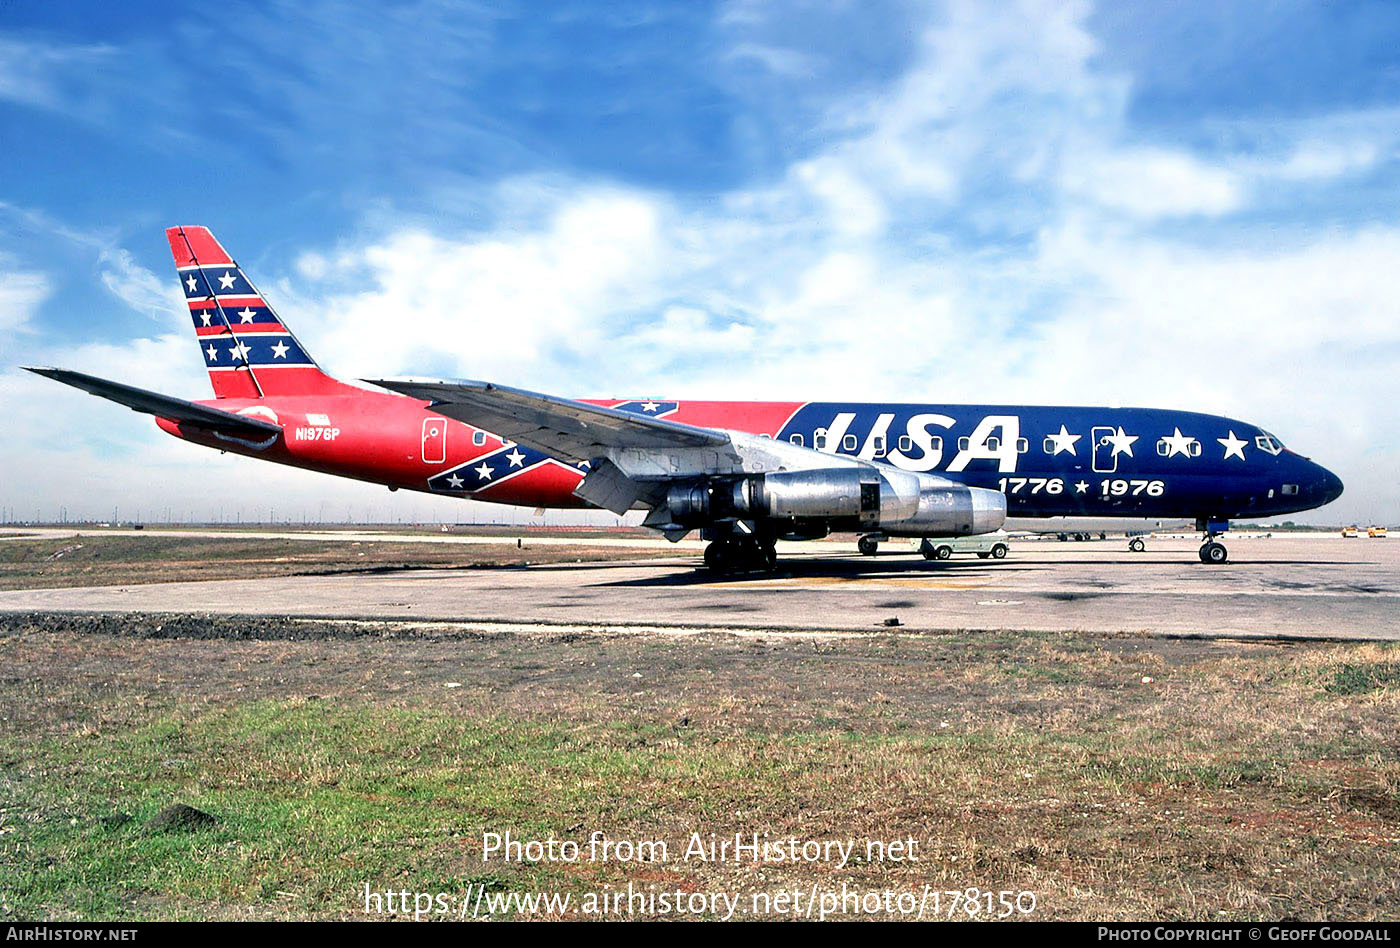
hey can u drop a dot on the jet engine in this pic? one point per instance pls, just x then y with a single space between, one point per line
950 509
899 503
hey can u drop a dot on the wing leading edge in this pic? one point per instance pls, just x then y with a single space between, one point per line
567 429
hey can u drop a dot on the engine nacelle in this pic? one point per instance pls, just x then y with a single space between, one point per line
899 503
848 495
948 510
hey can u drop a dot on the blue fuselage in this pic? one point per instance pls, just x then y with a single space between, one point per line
1050 461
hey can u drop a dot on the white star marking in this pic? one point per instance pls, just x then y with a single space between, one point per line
239 351
226 281
515 458
192 283
1064 441
205 315
279 351
455 481
246 315
213 353
1178 443
483 472
1122 442
1233 446
1081 487
650 406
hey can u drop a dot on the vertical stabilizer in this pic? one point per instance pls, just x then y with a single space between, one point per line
248 350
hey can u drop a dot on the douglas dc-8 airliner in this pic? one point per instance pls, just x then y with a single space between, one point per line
745 474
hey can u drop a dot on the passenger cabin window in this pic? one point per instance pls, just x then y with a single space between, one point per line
1048 446
849 442
797 440
1022 445
993 443
1193 448
819 439
906 444
879 446
962 444
935 443
478 438
1289 490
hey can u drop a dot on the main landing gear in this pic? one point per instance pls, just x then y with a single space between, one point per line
1213 552
735 553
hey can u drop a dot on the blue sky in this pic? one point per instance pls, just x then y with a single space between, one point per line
1179 204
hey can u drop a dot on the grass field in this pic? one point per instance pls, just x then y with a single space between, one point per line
1114 777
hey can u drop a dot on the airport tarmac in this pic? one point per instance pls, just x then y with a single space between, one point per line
1276 587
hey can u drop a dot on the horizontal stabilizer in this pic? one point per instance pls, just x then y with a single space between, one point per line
163 406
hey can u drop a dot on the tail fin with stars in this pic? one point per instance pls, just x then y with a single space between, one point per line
249 351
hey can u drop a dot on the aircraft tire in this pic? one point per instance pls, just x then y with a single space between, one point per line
1214 553
868 545
1136 545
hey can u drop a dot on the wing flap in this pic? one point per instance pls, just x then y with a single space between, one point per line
562 427
163 406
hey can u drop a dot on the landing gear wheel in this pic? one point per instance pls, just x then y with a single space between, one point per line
868 545
734 555
1136 545
1214 553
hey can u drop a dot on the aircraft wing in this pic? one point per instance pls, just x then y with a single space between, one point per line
164 406
561 427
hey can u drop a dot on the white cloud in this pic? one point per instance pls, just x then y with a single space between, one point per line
21 292
1149 183
37 73
776 59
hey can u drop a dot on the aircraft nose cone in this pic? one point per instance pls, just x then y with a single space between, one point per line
1329 486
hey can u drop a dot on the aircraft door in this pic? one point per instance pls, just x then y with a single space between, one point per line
1105 461
434 440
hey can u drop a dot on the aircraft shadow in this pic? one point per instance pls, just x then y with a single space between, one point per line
827 568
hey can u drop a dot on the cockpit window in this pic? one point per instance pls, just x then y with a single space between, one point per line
1267 442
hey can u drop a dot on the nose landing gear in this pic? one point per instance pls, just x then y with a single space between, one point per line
1212 551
